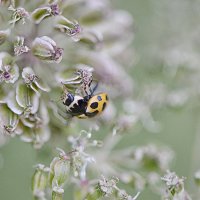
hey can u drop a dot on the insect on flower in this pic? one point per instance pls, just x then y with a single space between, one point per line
87 106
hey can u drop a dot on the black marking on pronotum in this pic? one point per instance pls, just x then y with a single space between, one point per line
107 97
92 114
78 108
94 105
104 105
99 98
69 100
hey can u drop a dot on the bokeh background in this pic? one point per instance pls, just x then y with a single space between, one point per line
166 44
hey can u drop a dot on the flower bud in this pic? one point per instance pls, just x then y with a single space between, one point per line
19 47
18 14
66 26
41 13
107 186
45 49
197 178
27 99
39 181
9 120
174 184
94 193
61 172
57 193
60 169
32 80
3 35
9 71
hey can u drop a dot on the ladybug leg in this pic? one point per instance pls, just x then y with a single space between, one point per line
94 88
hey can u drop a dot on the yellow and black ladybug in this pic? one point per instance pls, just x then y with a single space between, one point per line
85 107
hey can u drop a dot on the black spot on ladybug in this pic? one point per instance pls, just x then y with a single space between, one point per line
94 105
92 114
107 97
99 98
104 105
82 103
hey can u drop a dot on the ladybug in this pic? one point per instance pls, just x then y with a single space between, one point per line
85 107
95 105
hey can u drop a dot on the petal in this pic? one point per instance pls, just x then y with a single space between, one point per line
13 105
40 13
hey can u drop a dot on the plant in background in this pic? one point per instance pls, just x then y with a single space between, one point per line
50 48
175 187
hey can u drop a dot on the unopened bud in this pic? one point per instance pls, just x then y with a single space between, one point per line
60 169
9 71
39 181
18 14
45 49
66 26
197 178
41 13
57 193
19 47
173 182
95 193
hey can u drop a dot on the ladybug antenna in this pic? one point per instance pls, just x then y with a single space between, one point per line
93 90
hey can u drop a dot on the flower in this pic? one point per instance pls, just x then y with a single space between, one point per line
46 49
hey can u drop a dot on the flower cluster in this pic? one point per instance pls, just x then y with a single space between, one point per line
72 168
175 187
44 46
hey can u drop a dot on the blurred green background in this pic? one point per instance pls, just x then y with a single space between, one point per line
179 127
